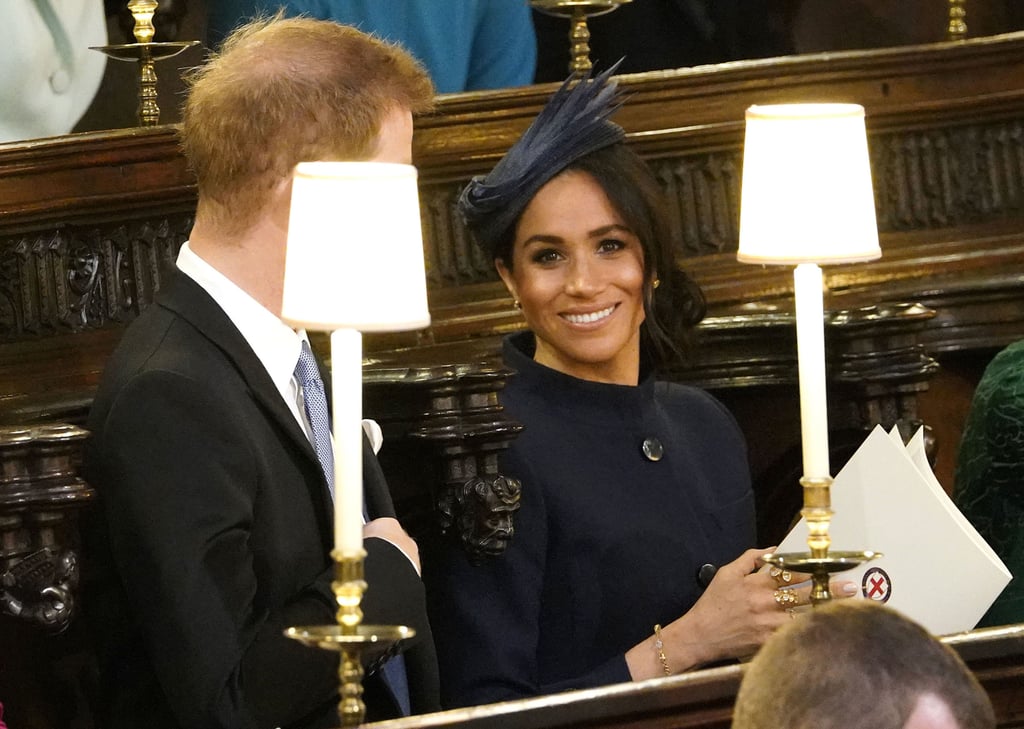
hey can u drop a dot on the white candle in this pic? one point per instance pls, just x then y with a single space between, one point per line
347 400
810 346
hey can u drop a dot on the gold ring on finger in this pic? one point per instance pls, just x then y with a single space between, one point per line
785 598
781 576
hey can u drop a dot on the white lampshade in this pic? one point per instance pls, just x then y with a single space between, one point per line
355 248
807 195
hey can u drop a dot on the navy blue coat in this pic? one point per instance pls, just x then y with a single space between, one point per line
607 542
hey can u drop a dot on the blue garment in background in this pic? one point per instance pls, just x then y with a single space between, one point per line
466 45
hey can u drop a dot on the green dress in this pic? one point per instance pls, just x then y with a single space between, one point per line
989 485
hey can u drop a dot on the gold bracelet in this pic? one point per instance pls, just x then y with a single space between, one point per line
660 647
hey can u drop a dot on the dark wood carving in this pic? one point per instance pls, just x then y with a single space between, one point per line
481 512
878 357
75 277
454 411
40 495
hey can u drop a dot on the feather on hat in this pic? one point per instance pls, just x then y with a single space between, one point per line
574 123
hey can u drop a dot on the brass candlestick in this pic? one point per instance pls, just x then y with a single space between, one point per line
821 152
145 52
579 35
957 29
820 562
357 643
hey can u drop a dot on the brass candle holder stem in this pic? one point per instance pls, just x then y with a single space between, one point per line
579 42
143 12
357 644
145 52
957 29
579 34
149 110
820 561
348 586
818 513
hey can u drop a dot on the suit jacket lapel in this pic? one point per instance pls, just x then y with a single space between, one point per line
190 301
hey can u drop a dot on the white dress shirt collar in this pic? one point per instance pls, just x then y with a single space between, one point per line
275 344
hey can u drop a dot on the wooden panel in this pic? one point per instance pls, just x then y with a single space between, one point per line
100 176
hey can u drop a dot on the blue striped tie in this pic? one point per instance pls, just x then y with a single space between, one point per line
315 402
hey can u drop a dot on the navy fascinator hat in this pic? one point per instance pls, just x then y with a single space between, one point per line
572 124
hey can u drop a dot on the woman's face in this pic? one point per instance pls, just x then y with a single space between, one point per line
578 273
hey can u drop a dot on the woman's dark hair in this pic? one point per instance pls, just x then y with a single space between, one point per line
673 308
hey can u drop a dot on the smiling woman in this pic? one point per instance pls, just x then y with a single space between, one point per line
630 486
577 270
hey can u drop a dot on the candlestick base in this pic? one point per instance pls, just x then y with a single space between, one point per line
369 645
359 645
820 568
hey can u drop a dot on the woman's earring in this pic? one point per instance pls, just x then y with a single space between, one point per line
656 283
515 303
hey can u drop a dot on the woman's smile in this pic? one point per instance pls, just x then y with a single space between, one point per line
577 270
594 317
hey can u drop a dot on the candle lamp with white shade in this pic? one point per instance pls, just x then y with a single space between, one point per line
354 263
807 200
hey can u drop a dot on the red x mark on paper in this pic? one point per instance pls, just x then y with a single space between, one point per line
876 585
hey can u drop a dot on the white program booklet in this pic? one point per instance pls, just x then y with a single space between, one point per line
935 567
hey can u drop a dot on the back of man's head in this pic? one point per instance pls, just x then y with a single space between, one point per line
855 664
285 90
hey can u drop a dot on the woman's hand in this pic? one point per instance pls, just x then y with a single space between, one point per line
745 602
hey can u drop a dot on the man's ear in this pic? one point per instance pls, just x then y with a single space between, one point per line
506 277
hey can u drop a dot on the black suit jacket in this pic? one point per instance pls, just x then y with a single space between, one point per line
212 535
